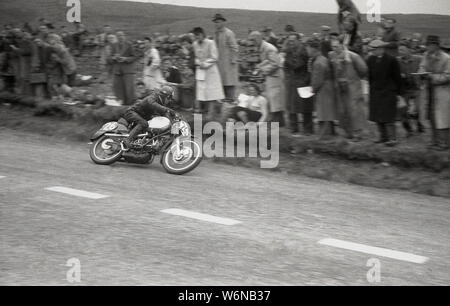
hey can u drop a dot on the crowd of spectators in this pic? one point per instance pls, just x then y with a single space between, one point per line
381 77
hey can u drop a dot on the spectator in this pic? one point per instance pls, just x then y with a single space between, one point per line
326 40
105 65
228 56
102 39
171 73
79 38
153 78
391 37
254 108
416 44
385 90
410 63
208 80
381 29
270 67
123 58
39 75
288 29
187 88
347 8
101 42
43 33
296 76
188 51
45 22
437 63
352 38
348 71
270 36
27 28
322 84
24 50
55 75
6 68
67 39
67 61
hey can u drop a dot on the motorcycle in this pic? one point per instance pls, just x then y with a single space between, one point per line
172 139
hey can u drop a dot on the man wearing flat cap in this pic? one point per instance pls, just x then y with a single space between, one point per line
228 49
326 41
391 36
437 64
270 36
385 90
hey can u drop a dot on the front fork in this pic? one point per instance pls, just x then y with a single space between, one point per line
177 147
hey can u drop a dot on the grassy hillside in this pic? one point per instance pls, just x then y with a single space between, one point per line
145 18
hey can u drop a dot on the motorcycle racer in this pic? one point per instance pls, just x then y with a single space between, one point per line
149 104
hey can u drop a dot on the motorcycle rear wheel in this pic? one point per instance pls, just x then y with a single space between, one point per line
105 151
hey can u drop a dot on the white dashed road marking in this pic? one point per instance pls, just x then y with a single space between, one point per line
374 250
2 177
199 216
77 193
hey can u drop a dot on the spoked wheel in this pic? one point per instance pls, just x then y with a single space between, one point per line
105 151
184 160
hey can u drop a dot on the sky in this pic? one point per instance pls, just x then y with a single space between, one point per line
441 7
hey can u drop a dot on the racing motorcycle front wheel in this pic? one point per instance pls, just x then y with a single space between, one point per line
105 151
183 156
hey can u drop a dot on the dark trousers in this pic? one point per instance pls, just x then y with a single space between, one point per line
387 131
9 82
293 122
140 124
308 124
441 138
124 88
327 129
230 92
277 117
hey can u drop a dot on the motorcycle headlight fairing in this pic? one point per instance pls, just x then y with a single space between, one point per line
182 127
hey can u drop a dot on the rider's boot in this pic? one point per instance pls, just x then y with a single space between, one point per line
127 143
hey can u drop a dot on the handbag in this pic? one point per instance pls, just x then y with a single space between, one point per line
38 78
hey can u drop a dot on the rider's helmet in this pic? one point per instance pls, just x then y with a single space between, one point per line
167 95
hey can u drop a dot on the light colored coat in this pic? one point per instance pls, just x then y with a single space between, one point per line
439 66
228 57
208 80
323 87
349 68
153 78
271 68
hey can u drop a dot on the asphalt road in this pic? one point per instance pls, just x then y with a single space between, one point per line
126 238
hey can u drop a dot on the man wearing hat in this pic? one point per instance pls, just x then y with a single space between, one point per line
326 41
228 56
391 36
270 36
270 68
385 90
437 63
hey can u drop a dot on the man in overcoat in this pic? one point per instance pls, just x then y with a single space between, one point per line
385 91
